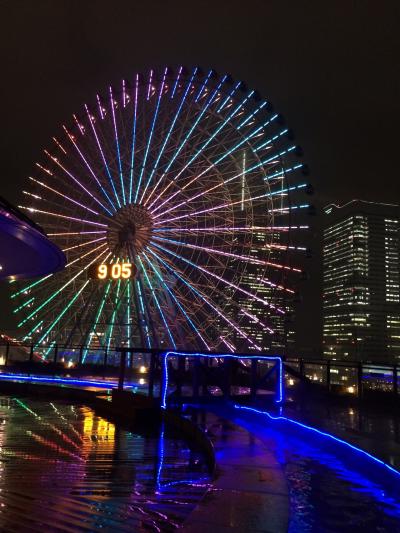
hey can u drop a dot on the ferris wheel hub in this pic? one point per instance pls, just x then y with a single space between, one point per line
129 230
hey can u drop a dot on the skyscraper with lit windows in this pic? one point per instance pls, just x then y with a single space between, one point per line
361 274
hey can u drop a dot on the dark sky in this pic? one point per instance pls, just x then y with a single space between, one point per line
331 68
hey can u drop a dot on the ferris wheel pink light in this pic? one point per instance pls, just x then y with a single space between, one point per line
194 180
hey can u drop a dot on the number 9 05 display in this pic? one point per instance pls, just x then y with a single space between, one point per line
112 271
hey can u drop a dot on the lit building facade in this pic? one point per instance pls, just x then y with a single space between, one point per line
361 273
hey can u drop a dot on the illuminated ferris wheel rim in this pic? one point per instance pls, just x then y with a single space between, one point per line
202 209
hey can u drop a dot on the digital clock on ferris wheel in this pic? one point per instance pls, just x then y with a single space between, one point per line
112 271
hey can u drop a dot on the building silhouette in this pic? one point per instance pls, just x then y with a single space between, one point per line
361 298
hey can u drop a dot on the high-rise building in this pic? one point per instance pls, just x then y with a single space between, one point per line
361 294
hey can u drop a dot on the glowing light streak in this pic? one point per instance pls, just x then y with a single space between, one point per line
83 244
200 150
171 293
271 284
71 138
133 138
103 156
84 255
141 303
113 315
28 287
74 233
100 107
34 210
96 320
59 317
236 87
227 344
200 116
143 166
121 177
167 137
157 303
23 305
245 258
283 172
202 297
36 326
243 180
228 229
271 140
222 183
228 204
149 86
128 312
230 284
68 173
63 195
203 86
176 82
252 115
123 93
55 293
59 145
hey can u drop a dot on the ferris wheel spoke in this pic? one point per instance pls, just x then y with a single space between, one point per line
209 101
209 140
222 183
176 301
157 302
71 138
143 166
229 229
121 177
133 144
110 178
63 312
74 219
58 193
247 259
83 244
58 291
167 137
221 158
237 202
225 281
96 321
206 300
75 180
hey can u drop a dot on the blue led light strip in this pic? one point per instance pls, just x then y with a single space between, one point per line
164 380
320 433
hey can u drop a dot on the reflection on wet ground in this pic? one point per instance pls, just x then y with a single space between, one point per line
376 430
327 492
65 469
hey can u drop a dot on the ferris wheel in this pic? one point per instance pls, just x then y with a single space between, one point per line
177 199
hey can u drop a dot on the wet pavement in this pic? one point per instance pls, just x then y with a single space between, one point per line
63 468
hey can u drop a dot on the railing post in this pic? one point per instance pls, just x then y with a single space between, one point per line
7 354
328 375
395 381
253 383
55 353
122 370
80 355
151 374
359 380
31 354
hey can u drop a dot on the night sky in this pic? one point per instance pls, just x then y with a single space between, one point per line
331 68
